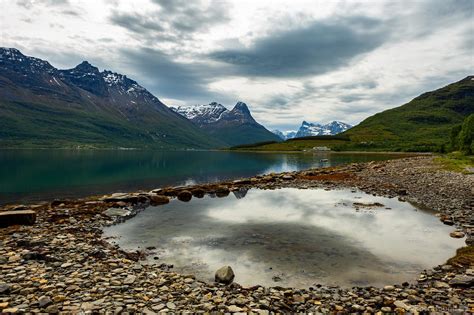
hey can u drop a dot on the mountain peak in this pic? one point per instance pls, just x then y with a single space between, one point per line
241 107
86 67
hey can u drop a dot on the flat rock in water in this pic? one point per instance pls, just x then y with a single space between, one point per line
116 212
159 200
21 217
457 234
120 197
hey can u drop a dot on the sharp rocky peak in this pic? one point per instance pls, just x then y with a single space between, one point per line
86 67
241 107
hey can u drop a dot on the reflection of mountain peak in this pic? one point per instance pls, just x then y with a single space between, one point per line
241 193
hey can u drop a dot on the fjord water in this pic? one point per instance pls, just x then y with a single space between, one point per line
36 175
292 237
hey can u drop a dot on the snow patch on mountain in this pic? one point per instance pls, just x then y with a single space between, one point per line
205 113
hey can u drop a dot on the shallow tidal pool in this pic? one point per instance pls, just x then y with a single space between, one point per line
292 237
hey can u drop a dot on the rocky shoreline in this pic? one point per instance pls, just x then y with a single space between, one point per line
61 263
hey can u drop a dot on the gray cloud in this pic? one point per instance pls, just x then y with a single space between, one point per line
430 16
318 48
173 20
171 79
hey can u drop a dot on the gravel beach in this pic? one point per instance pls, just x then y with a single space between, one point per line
62 264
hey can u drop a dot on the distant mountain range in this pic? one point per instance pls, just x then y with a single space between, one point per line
235 127
41 106
313 129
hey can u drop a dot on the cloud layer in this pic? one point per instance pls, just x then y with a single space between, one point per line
313 60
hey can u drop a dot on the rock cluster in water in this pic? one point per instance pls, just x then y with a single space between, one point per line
62 263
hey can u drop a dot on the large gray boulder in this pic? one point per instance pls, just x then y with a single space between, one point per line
224 275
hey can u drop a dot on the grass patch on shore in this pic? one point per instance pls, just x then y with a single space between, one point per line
300 144
456 162
464 257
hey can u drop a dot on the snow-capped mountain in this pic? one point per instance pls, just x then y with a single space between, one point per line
284 135
235 126
333 128
309 129
83 105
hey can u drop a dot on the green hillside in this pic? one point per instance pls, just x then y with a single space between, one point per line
424 124
62 125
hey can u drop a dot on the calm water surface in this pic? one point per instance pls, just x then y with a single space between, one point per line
291 237
31 175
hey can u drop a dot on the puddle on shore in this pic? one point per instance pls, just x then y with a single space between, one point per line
292 237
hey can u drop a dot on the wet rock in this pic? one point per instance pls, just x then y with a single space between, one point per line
224 275
156 200
185 195
198 192
52 309
470 240
117 212
402 305
130 279
44 301
4 288
171 305
402 192
20 217
287 177
457 234
34 256
234 309
117 197
440 284
462 281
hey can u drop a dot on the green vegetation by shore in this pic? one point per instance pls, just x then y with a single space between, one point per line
457 162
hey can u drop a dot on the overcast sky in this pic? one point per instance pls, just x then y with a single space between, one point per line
288 60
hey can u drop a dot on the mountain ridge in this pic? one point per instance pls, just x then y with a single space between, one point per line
48 107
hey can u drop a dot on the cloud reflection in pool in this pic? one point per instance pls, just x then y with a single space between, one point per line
297 237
